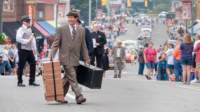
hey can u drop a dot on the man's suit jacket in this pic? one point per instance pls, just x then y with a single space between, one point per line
69 48
89 42
122 53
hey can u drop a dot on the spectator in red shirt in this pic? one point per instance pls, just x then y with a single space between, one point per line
197 54
150 59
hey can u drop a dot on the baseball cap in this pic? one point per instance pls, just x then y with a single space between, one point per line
25 18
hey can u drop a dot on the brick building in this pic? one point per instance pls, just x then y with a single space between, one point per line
39 10
13 10
198 9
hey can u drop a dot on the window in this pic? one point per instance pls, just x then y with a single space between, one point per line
8 5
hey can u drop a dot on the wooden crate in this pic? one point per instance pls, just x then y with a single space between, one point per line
49 86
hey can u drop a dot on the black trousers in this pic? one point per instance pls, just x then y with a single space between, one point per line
99 60
26 56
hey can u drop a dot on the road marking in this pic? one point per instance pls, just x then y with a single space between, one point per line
71 96
190 87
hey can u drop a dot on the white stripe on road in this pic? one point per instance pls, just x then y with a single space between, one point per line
71 96
190 87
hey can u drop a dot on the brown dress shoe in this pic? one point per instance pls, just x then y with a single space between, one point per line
80 99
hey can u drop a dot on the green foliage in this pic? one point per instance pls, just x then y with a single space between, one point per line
2 38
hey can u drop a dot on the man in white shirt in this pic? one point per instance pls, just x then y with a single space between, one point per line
26 49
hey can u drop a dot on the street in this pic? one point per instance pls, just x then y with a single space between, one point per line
132 93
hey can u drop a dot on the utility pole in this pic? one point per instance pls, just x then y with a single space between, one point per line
96 5
57 6
192 12
1 16
90 11
67 7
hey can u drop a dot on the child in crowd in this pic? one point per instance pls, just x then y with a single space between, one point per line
192 74
162 66
170 61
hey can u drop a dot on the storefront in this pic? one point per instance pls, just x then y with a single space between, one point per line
13 10
41 9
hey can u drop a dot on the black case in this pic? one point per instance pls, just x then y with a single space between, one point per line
89 76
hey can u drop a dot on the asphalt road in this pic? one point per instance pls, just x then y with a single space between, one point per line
132 93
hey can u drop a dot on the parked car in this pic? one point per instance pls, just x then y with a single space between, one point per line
195 26
162 14
145 32
131 47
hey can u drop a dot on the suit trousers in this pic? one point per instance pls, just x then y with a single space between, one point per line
70 79
26 56
118 66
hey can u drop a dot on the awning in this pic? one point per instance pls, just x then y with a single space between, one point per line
53 23
41 1
49 28
41 30
10 29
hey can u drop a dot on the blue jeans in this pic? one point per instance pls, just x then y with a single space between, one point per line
156 66
177 69
150 65
141 68
5 67
162 76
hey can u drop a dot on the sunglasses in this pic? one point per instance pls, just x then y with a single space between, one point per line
27 21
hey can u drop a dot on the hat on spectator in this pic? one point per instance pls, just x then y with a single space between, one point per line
25 18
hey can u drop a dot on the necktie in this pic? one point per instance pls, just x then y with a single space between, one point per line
73 32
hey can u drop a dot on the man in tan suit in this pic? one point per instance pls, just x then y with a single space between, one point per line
118 53
70 40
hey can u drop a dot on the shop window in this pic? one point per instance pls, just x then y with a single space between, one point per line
40 11
8 5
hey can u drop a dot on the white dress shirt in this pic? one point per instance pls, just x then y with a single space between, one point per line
71 29
26 41
118 52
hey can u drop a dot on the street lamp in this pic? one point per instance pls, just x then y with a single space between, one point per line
90 12
57 11
1 16
193 5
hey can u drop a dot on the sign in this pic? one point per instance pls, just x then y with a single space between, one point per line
187 10
175 5
129 3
